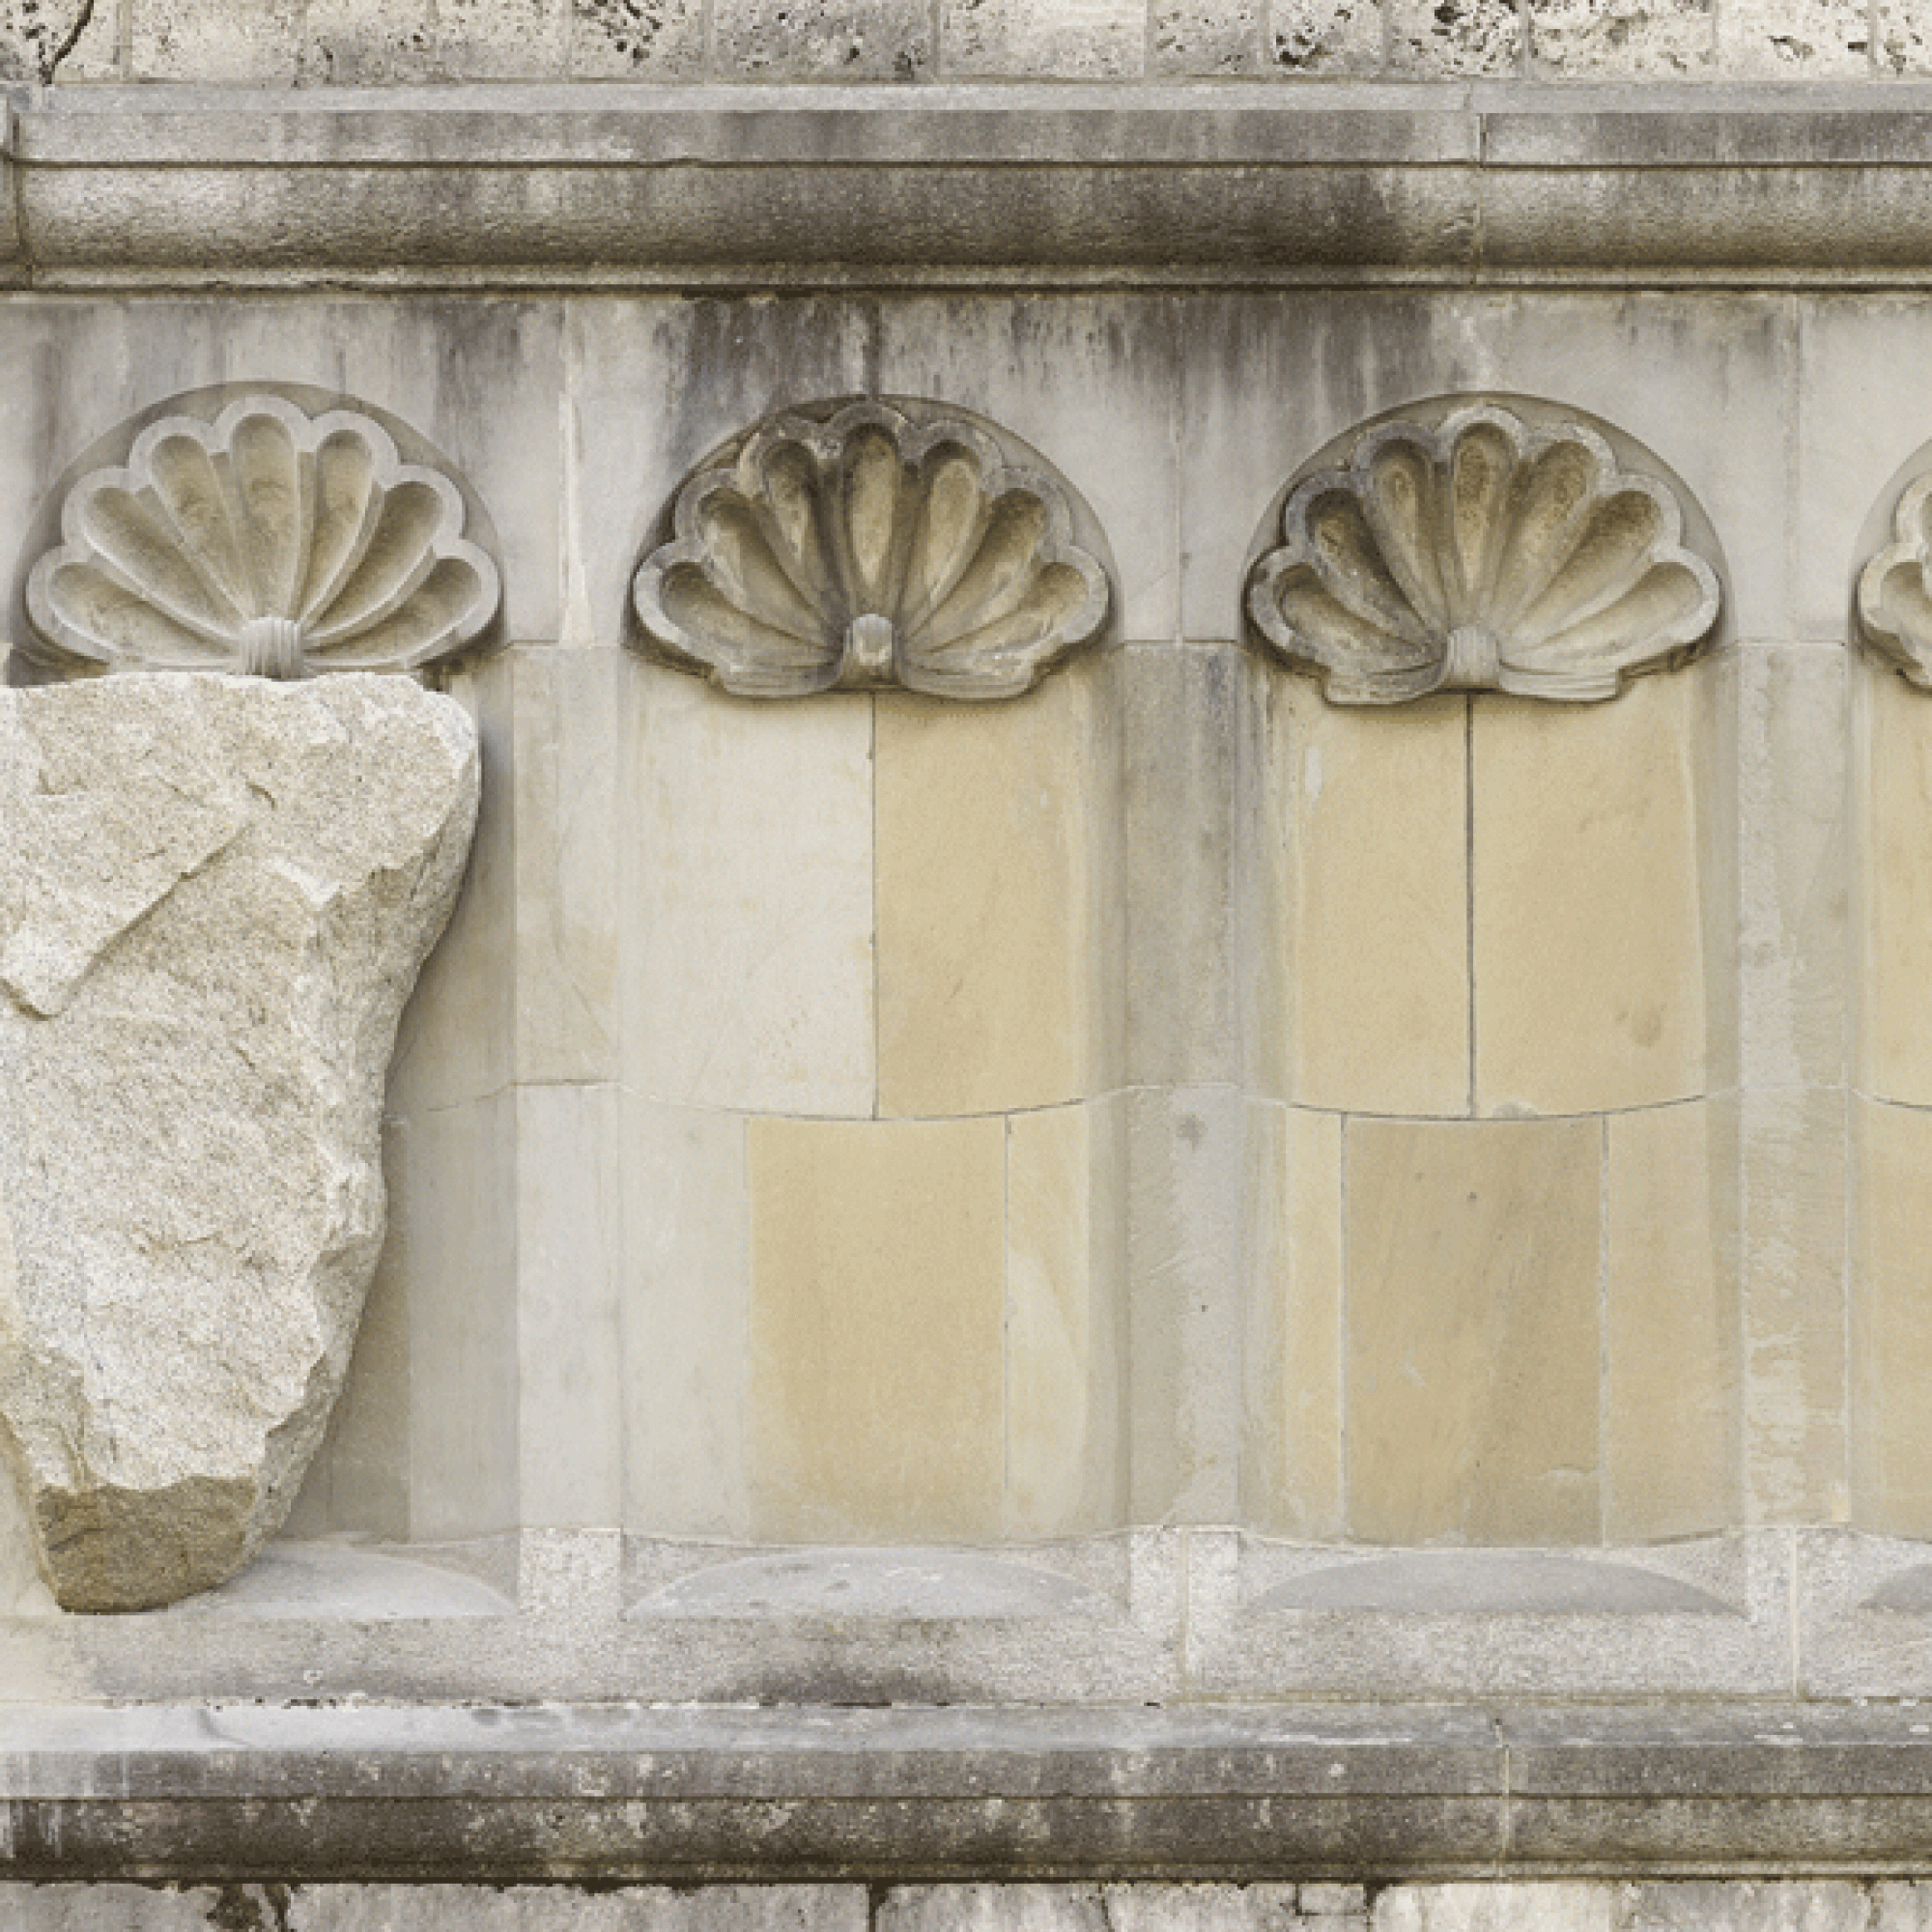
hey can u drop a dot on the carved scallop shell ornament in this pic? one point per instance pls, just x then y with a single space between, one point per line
1895 590
269 541
886 543
1482 553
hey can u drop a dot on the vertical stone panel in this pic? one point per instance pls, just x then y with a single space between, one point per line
1589 915
1474 1339
1892 767
878 1306
1378 923
1671 1379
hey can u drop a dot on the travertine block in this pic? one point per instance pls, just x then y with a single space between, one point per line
1204 37
1317 36
1904 37
502 39
1794 39
1496 1907
1089 1907
1588 1000
1893 931
878 1305
1439 38
352 44
1066 1261
1075 40
1379 921
1474 1339
991 828
687 1322
641 39
1672 1429
215 895
1817 1905
751 885
1603 40
42 40
1793 1154
249 42
1293 1470
1891 1370
823 39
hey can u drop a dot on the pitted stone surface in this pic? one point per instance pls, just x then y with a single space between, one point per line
214 897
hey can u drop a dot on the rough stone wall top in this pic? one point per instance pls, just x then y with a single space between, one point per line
377 42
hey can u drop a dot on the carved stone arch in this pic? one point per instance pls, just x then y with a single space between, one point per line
872 543
1482 543
1894 589
263 527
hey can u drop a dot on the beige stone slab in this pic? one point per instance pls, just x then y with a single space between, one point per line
1892 921
1793 851
993 848
637 39
502 39
1672 1381
1293 1470
1474 1339
1793 1154
352 44
687 1322
1066 1243
1795 39
1585 40
1378 921
878 1305
1890 1367
748 969
247 42
1073 40
1589 892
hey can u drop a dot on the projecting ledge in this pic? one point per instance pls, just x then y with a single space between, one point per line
494 1795
970 186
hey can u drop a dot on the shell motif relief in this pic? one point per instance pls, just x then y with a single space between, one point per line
885 545
266 542
1895 590
1482 555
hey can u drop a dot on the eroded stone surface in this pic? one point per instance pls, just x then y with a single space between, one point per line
214 897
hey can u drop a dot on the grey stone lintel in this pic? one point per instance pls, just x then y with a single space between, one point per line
948 186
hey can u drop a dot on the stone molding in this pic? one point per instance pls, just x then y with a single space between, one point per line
1480 553
867 545
1428 184
1895 602
269 542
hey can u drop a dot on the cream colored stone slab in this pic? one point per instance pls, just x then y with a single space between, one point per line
878 1304
687 1350
1496 1907
1672 1425
452 1253
1191 38
1073 40
1325 37
1795 39
654 387
1904 37
637 39
1435 42
1088 379
1474 1339
1066 1243
567 776
571 1388
992 829
1791 724
1794 1308
1892 922
353 43
748 977
1589 895
502 39
1293 1470
247 42
1587 39
1379 921
1890 1367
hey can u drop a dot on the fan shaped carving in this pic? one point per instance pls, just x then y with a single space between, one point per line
885 544
269 541
1895 590
1482 553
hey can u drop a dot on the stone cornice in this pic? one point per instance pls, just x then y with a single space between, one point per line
498 1795
1235 184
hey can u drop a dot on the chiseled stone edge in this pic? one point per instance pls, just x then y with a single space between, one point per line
719 186
498 1795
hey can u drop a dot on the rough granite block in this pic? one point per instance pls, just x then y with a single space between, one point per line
1438 38
1796 40
1578 40
823 39
1326 37
1075 39
1205 37
655 40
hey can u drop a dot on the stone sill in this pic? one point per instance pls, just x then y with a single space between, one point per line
625 1792
1206 184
